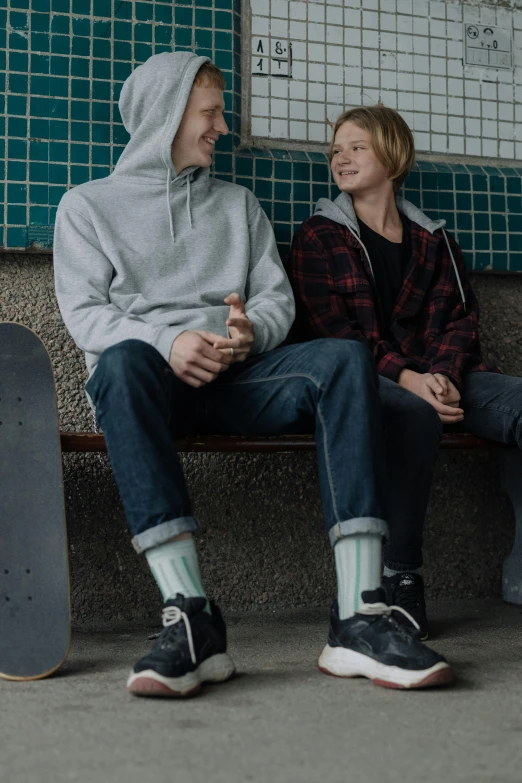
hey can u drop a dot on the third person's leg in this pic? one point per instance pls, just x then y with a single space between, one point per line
493 409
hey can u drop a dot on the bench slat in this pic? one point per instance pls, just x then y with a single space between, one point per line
91 441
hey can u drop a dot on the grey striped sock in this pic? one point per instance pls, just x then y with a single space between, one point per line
358 565
175 568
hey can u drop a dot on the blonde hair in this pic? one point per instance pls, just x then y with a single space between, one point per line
209 75
391 138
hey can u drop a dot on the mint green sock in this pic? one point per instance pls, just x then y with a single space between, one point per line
358 563
175 568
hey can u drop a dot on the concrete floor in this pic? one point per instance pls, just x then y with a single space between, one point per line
280 720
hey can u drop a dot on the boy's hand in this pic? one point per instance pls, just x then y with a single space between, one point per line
433 389
241 329
196 361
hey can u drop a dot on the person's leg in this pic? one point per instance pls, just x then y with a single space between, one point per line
331 386
139 402
328 387
492 406
133 391
413 431
141 405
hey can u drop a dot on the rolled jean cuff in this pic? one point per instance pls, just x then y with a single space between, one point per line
155 536
358 526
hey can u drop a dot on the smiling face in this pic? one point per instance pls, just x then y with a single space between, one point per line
355 166
200 128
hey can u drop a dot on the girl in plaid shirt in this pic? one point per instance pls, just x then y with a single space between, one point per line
372 267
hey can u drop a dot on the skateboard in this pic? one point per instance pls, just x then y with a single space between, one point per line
34 574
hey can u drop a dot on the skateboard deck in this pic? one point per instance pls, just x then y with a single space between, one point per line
34 576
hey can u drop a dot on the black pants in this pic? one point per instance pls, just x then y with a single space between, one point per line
492 406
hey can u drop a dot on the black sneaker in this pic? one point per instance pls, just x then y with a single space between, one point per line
407 591
372 644
189 651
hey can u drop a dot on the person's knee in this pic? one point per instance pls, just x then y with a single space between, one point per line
128 355
345 355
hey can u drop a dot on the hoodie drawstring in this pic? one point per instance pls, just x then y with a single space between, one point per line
169 208
359 240
188 201
455 268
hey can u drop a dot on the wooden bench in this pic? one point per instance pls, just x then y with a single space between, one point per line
511 473
91 441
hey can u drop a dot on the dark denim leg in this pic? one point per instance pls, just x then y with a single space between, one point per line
492 406
327 386
493 409
413 431
136 394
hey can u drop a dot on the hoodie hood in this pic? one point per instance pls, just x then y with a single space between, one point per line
341 210
152 103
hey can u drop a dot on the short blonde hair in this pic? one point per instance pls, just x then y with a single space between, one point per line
209 75
391 138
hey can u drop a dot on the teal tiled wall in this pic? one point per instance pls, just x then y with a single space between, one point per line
62 65
482 205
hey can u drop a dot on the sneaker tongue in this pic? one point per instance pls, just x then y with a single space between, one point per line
377 596
407 579
190 606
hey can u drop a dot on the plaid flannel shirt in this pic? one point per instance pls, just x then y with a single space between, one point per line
431 330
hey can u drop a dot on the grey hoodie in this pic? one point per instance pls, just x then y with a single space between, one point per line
341 211
146 253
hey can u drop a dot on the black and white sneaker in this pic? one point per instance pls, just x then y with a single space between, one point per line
407 591
190 650
372 644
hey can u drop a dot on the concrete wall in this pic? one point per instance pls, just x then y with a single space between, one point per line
264 544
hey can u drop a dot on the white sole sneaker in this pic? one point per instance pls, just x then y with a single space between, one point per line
342 662
218 668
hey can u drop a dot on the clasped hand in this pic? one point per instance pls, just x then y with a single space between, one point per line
197 357
436 389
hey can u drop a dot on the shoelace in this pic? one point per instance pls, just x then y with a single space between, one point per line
382 608
171 616
408 594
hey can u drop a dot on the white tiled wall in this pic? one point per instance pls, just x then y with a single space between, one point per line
407 54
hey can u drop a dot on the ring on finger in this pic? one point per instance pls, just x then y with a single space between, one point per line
232 352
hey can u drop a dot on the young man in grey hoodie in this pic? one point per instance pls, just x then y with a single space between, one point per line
172 285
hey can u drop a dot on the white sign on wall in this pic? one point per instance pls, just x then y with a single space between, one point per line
271 57
488 46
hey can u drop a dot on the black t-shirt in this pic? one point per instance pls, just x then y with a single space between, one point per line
389 261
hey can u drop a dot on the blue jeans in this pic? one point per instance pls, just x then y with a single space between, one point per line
328 386
492 406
